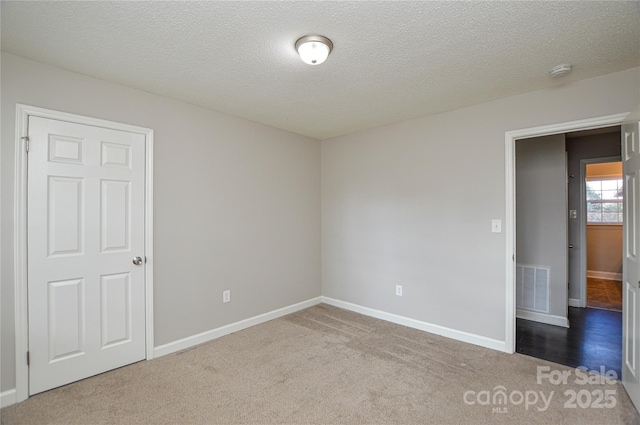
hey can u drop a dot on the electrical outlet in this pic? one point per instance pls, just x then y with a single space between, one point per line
399 290
226 296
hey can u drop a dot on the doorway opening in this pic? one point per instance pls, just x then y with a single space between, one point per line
605 218
569 214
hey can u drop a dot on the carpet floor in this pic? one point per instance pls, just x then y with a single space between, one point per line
325 365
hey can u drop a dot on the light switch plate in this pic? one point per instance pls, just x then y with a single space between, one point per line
496 226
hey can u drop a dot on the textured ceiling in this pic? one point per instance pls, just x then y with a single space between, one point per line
392 61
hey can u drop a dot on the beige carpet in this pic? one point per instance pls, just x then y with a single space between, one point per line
330 366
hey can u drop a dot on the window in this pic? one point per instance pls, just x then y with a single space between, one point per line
604 201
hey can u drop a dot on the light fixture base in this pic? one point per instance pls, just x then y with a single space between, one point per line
314 49
560 70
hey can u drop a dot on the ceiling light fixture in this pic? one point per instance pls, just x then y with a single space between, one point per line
560 70
314 49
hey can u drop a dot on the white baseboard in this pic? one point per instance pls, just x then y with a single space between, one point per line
417 324
574 302
7 398
542 318
191 341
595 274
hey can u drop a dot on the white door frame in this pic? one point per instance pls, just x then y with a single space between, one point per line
510 201
20 232
583 222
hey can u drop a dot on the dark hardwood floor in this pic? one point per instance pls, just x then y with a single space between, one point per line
593 340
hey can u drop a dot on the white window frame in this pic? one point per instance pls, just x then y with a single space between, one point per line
603 201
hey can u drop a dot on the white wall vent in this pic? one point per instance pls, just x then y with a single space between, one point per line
532 288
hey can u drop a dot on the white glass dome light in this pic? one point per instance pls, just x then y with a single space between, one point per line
314 49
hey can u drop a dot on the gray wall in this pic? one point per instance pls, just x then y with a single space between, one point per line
237 204
579 148
541 212
411 203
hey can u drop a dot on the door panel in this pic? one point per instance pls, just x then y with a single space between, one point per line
65 231
115 309
66 319
115 155
65 149
85 225
114 215
631 262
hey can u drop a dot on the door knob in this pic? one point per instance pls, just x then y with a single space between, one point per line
137 261
570 246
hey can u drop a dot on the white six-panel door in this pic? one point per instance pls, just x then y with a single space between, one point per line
86 297
631 259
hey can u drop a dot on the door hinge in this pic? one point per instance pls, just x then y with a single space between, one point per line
26 143
28 358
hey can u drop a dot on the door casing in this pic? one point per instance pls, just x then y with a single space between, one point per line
510 202
23 112
583 223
